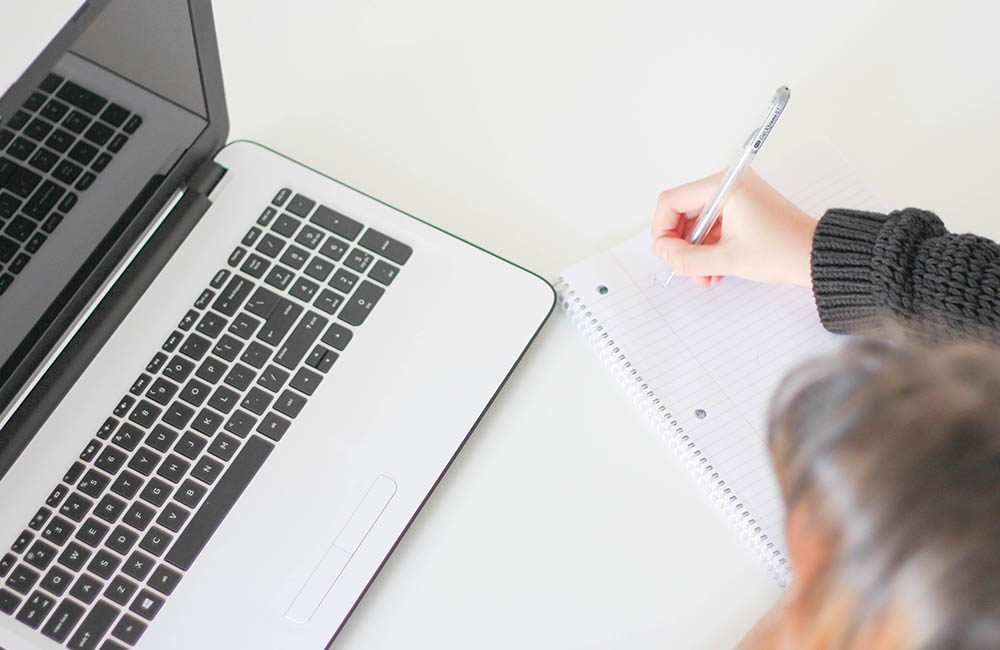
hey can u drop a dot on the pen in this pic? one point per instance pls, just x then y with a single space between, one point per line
713 208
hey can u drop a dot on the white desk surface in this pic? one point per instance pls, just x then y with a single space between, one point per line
543 130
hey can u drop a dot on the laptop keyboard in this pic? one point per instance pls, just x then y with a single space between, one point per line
107 548
52 147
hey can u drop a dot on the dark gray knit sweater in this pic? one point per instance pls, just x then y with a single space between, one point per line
868 268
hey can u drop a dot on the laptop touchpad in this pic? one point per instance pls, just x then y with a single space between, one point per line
340 552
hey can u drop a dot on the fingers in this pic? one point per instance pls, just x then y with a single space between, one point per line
674 203
691 260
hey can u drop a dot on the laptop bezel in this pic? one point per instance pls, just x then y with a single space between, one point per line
57 321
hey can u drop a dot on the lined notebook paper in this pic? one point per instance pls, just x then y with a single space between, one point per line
703 363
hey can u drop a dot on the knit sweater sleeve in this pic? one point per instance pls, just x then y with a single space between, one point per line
904 266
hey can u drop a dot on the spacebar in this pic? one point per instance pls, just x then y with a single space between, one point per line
217 505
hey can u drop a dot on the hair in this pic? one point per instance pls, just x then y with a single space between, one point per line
895 453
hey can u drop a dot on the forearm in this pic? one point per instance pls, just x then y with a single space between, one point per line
904 266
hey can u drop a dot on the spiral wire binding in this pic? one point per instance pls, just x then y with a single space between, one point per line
671 433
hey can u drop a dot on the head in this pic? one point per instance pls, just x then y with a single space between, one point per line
889 462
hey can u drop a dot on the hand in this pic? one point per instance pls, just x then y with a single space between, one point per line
760 236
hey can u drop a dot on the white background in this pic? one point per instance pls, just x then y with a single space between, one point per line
543 131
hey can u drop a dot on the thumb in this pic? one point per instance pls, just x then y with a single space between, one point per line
688 259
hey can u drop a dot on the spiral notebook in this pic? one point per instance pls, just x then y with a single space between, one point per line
702 364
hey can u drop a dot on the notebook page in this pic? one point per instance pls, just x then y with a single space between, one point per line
710 359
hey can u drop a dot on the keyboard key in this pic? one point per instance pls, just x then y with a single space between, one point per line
229 488
115 115
227 348
8 561
35 609
327 362
63 620
279 322
90 451
266 216
304 289
86 588
172 517
22 541
111 460
60 140
6 135
156 362
54 110
256 355
107 428
21 148
282 196
56 496
306 381
22 579
20 228
8 602
8 206
273 426
56 581
145 413
127 484
383 272
76 122
40 555
279 277
195 346
67 203
93 483
19 120
99 133
236 256
139 516
101 162
85 181
207 422
319 269
190 445
41 516
133 124
300 205
81 98
7 249
67 172
329 301
263 302
255 266
140 384
387 247
19 180
240 423
256 401
212 369
178 369
37 129
147 604
251 237
129 629
333 248
94 626
91 532
144 461
82 152
120 590
190 493
207 470
358 260
34 101
43 160
337 337
240 377
76 507
361 303
178 415
270 245
74 556
273 378
223 399
285 225
122 539
156 541
117 143
110 508
162 391
138 565
244 326
232 297
301 340
309 237
51 82
336 223
294 257
19 263
173 468
219 279
161 437
343 281
289 403
156 492
73 473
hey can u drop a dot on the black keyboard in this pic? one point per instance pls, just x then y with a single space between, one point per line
131 515
57 142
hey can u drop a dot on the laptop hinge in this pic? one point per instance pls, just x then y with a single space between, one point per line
206 177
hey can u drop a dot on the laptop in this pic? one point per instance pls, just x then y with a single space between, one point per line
228 383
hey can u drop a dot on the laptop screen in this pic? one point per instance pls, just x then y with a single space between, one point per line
105 125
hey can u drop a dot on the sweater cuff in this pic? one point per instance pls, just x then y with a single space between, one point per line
842 269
